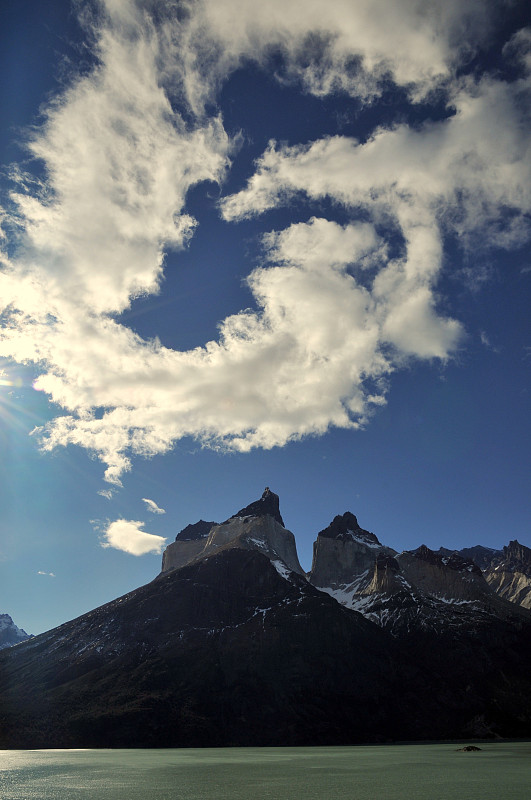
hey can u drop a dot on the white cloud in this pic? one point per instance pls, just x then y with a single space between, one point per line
152 506
336 309
107 493
49 574
463 172
338 44
126 535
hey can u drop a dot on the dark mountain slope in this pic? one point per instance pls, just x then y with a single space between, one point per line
225 651
237 648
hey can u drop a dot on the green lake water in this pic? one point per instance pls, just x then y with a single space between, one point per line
501 771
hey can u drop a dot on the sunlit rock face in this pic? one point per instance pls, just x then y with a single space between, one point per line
258 526
417 590
509 574
450 577
187 546
386 576
507 571
343 552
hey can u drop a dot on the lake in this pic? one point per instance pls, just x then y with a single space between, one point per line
415 772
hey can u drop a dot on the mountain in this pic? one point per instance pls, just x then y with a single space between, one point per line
404 592
509 574
343 555
258 526
228 650
10 633
508 571
237 647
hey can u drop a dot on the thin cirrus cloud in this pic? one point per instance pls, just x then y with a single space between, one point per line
49 574
128 536
337 309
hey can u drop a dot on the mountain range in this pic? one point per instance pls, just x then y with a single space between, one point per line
233 644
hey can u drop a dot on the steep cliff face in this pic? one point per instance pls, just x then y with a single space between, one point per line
262 533
446 577
188 545
258 526
426 591
343 553
386 577
509 574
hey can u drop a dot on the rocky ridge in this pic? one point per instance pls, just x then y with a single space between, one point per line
343 553
10 634
258 526
509 573
237 647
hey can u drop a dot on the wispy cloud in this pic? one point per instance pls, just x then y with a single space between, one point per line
49 574
128 536
152 506
337 310
107 493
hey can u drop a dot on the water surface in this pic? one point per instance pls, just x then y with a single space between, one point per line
395 772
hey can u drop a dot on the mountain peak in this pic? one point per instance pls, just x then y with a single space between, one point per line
517 556
268 505
453 561
10 633
346 526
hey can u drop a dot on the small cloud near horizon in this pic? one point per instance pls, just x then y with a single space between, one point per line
152 506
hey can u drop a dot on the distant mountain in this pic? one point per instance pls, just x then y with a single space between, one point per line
232 644
10 634
414 590
509 573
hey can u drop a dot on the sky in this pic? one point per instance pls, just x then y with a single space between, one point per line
245 245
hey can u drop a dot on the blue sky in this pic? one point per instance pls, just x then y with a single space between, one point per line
247 246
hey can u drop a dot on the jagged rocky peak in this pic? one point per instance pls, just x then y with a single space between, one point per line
483 556
346 527
268 505
10 633
343 552
517 557
444 576
509 573
450 560
258 526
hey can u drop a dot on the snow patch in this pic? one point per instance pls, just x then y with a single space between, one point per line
282 569
362 540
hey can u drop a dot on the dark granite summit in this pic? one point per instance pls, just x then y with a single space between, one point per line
344 525
267 505
197 530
